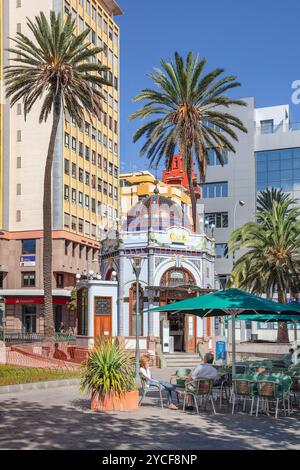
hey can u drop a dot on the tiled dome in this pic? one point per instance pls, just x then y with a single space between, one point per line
156 212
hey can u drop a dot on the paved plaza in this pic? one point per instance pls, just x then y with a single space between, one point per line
61 419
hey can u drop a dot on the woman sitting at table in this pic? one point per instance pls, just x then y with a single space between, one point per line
146 373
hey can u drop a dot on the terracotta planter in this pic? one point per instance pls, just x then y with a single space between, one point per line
128 401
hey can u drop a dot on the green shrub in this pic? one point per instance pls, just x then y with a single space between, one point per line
109 368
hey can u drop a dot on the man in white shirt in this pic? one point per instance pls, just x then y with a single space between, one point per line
206 369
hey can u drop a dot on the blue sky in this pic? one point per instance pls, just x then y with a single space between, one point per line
257 40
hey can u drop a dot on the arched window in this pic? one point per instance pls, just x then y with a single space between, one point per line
132 311
176 277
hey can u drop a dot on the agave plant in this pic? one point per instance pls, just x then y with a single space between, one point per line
108 369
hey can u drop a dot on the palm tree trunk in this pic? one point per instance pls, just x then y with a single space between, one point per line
282 334
189 170
49 331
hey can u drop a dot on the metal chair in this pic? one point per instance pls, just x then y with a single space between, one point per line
146 388
272 392
243 389
200 388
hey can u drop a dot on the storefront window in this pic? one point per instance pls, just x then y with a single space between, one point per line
29 318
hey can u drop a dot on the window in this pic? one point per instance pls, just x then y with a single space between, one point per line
18 216
19 162
267 126
19 109
87 178
66 192
219 219
19 136
214 190
93 157
93 181
74 170
87 153
133 310
87 128
74 223
212 158
223 278
67 220
28 279
80 149
80 198
67 167
99 162
110 168
221 249
87 202
80 225
80 175
94 205
28 247
278 169
19 189
59 280
99 185
67 139
105 164
74 195
74 144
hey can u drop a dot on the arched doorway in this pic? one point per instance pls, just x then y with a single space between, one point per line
176 284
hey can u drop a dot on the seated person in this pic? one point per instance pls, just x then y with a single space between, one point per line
146 373
205 370
288 357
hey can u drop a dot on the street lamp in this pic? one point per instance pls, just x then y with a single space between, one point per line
241 204
136 263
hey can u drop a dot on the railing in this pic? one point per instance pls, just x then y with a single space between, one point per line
18 336
281 127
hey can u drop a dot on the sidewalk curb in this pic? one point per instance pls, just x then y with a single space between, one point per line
38 386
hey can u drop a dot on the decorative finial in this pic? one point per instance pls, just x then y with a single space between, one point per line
156 190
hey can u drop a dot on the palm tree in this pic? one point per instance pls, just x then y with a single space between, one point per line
272 259
57 67
266 198
188 111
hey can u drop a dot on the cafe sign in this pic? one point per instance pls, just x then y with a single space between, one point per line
178 235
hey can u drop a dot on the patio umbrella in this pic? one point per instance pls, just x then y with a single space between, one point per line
230 302
289 318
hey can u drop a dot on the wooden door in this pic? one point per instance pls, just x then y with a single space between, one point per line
103 317
190 333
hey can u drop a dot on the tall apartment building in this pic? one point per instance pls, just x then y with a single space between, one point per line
85 176
268 156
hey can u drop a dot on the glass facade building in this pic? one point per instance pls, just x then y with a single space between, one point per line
279 169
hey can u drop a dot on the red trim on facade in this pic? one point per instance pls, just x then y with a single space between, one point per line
33 300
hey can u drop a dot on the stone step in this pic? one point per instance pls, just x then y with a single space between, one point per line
187 361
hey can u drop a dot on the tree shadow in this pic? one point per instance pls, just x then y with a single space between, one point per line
31 425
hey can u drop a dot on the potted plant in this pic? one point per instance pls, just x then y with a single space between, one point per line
108 376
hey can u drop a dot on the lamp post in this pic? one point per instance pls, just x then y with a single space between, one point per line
241 204
136 263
